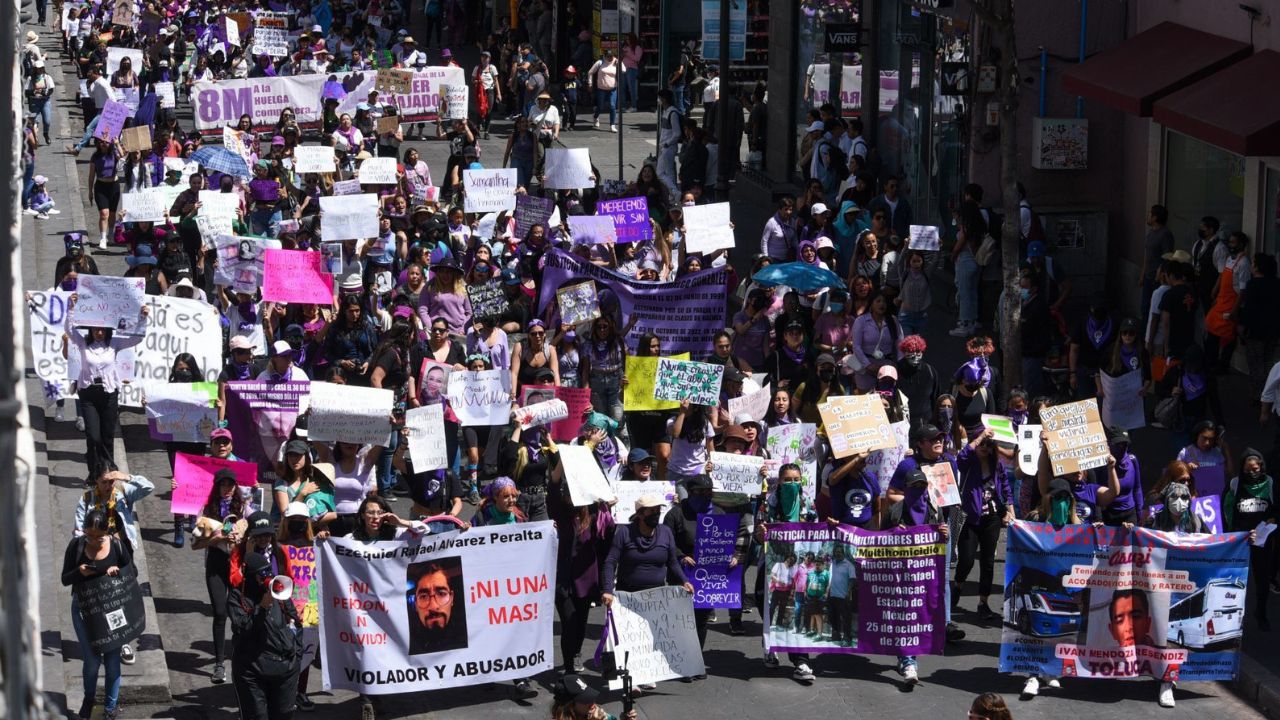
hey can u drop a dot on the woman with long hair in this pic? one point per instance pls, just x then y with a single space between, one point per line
874 341
533 353
648 428
521 151
692 442
185 370
390 370
225 507
351 338
604 361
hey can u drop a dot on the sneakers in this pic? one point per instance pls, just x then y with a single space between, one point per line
366 710
1165 698
179 538
737 629
771 660
1053 683
30 211
58 417
86 709
126 655
73 150
596 124
910 676
473 496
803 673
525 690
42 216
985 612
53 211
613 128
963 330
954 633
79 423
1031 688
111 714
219 674
304 703
575 664
102 242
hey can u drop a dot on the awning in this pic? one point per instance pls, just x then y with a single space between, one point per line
1133 75
1233 109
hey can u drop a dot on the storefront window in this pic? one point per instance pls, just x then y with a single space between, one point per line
1200 180
907 45
814 81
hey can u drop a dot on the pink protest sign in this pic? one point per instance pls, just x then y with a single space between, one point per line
194 474
576 399
296 276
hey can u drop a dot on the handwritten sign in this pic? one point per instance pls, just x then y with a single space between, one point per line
427 437
697 382
567 169
884 461
707 228
630 218
1074 437
592 229
347 187
856 424
715 583
46 315
167 94
797 444
487 299
194 475
755 404
387 125
145 205
657 635
314 159
479 397
578 303
1122 404
395 82
943 490
295 276
628 491
377 171
736 474
576 401
642 375
924 237
530 211
453 102
490 190
350 413
587 483
182 412
112 120
349 217
107 301
543 413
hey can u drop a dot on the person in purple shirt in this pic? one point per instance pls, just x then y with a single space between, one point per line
984 497
1129 502
909 493
855 491
1091 498
266 195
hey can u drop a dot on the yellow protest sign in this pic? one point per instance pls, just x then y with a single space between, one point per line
642 375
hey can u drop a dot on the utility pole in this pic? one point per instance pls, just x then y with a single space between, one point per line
722 117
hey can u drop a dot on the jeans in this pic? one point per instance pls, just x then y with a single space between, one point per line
44 109
88 133
606 397
28 181
967 273
386 473
631 83
265 220
913 323
667 169
678 90
607 98
93 661
524 171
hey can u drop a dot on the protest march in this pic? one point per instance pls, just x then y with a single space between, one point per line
442 419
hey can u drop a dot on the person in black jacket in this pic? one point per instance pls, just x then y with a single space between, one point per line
683 521
1035 329
265 661
1259 323
91 556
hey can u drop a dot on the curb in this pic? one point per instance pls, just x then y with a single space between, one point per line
1258 686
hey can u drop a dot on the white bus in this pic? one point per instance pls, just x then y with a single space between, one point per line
1209 616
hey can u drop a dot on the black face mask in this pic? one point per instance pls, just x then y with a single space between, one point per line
297 528
826 375
650 520
183 376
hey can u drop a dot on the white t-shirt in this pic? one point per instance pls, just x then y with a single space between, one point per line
544 119
1153 320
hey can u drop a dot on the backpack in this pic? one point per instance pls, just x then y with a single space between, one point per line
837 162
987 250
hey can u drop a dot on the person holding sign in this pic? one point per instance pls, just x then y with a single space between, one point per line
986 500
584 532
222 513
98 387
913 505
1090 497
98 552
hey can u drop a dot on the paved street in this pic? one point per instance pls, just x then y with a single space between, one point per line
738 685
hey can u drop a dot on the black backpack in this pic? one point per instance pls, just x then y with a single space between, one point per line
838 162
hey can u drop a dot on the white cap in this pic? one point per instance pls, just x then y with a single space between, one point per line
297 509
281 347
824 242
648 501
818 208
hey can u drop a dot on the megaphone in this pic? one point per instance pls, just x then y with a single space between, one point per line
282 587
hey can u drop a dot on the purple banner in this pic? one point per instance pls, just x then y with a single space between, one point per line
714 541
261 416
686 313
1210 480
812 598
716 587
630 218
532 211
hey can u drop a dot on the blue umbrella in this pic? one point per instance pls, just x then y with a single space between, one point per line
220 159
799 275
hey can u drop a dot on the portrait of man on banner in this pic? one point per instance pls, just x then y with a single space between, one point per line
437 606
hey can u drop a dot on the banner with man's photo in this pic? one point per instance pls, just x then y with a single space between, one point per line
1113 603
847 590
437 611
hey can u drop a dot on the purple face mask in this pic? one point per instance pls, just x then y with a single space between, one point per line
69 284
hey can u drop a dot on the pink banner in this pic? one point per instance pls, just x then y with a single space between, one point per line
194 474
576 399
296 276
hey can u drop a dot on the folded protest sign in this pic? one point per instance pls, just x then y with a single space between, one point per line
680 380
1074 437
543 413
350 413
